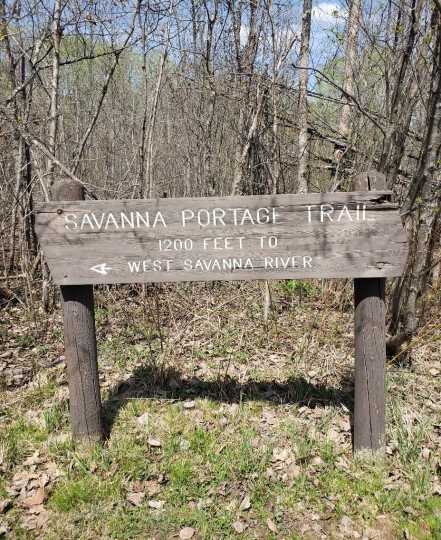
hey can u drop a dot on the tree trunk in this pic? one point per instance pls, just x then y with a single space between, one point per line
401 106
245 59
242 152
302 173
350 62
53 120
421 210
148 182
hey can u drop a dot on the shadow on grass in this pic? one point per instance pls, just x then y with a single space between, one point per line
150 381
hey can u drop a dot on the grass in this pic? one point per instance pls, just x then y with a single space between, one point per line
252 422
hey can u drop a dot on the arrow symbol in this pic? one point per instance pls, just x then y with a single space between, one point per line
101 269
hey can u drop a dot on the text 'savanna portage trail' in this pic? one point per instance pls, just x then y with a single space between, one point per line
319 235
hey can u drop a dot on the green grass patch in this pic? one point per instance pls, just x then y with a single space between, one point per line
89 490
17 441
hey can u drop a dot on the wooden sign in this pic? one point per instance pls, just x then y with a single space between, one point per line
316 235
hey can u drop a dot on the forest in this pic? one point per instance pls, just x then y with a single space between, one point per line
137 99
212 98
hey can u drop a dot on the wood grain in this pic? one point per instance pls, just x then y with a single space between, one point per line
81 362
376 247
81 349
370 356
370 349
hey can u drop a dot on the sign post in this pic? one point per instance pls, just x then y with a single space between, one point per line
80 346
316 235
370 346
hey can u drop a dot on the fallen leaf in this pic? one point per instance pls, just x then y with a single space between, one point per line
344 424
343 463
52 470
239 526
189 405
5 504
271 525
334 435
156 505
33 460
135 498
136 487
143 420
245 504
154 442
294 471
29 522
186 533
152 487
36 499
36 509
317 461
270 473
222 489
346 524
436 488
43 480
162 479
223 421
42 519
425 453
280 454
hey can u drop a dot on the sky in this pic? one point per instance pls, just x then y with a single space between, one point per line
327 17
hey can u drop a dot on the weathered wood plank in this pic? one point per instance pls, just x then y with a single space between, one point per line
370 356
356 234
81 362
370 348
81 349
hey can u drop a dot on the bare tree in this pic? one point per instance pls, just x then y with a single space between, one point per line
54 91
422 204
245 57
350 63
302 174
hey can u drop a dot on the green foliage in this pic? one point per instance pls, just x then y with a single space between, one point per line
57 417
17 440
333 71
25 341
299 287
89 490
128 455
57 333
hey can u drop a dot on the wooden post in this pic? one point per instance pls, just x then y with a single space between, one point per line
80 346
370 346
